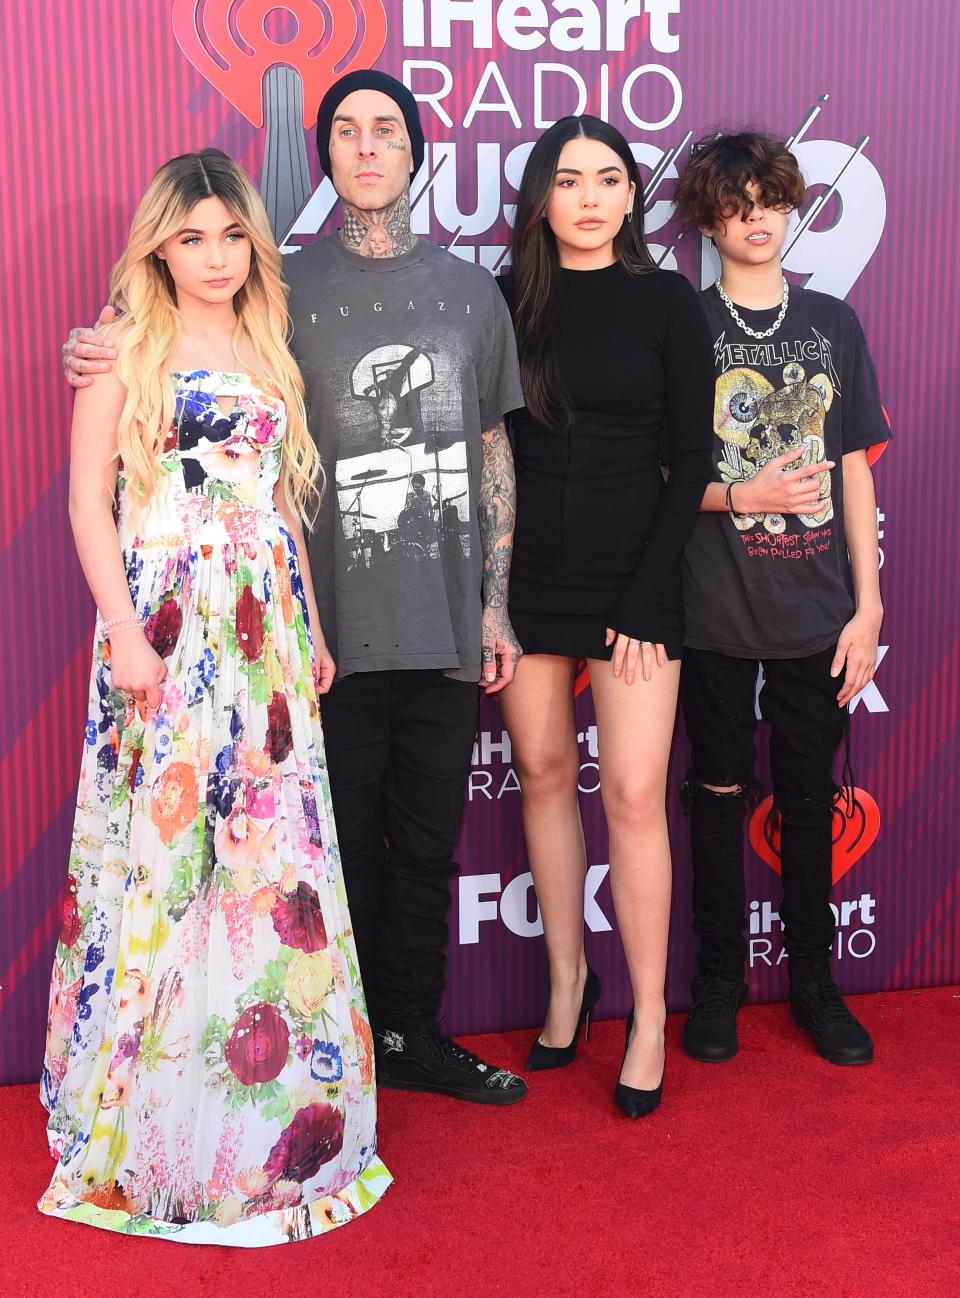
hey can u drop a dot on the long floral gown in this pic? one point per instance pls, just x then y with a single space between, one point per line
209 1070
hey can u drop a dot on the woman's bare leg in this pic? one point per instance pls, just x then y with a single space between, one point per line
539 714
634 729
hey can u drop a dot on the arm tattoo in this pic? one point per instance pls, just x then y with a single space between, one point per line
384 232
497 515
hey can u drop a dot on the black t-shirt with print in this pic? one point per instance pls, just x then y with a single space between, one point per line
779 586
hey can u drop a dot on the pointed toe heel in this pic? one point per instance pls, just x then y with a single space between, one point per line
543 1057
630 1100
635 1103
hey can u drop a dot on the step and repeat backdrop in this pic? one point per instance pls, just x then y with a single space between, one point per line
96 96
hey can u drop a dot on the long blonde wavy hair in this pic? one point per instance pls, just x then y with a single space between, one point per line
147 334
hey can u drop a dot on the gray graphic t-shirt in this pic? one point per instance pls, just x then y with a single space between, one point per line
406 360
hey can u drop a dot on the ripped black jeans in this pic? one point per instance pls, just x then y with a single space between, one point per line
799 702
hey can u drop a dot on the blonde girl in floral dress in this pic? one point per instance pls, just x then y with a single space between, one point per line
208 1073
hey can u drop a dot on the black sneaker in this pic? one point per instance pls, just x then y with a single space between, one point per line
423 1059
819 1008
710 1032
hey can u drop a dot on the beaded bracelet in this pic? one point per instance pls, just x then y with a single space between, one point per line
117 623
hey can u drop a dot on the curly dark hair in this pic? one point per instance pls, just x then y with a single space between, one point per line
713 186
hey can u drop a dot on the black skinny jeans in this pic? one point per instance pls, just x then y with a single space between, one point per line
398 749
799 701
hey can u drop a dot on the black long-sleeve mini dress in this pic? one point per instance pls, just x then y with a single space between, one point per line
599 533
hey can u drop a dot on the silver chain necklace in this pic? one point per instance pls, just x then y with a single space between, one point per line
756 333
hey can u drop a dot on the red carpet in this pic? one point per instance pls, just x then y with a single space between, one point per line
777 1175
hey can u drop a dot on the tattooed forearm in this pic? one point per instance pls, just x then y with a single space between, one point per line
384 232
500 650
498 512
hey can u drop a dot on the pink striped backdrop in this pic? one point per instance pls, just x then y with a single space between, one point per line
97 95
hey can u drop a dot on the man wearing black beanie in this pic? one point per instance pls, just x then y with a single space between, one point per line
369 79
410 364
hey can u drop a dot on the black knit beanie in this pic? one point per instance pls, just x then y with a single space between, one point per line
369 79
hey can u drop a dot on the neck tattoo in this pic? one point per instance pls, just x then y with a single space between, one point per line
382 233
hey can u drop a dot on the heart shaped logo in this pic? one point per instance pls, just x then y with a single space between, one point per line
855 831
874 452
230 45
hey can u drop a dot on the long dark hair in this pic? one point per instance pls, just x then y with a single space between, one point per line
536 263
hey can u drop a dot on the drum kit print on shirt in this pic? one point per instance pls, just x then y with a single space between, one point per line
405 498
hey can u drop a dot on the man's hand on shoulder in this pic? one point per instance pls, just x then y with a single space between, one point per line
87 352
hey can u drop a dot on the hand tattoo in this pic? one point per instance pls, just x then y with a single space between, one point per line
384 232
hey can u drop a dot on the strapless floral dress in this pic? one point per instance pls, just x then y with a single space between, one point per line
209 1068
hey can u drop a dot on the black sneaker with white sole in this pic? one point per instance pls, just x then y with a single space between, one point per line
423 1059
710 1032
820 1009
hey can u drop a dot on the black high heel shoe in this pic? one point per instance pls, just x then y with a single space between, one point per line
542 1057
628 1099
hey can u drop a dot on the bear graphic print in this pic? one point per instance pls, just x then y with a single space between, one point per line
756 422
406 497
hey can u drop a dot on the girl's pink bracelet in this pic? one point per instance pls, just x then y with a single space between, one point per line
116 623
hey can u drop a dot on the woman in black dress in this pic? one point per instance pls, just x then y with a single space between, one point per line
617 371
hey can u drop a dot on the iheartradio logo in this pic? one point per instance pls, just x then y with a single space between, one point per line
855 830
234 43
273 63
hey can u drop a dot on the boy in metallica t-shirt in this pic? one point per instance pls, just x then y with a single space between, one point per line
781 570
